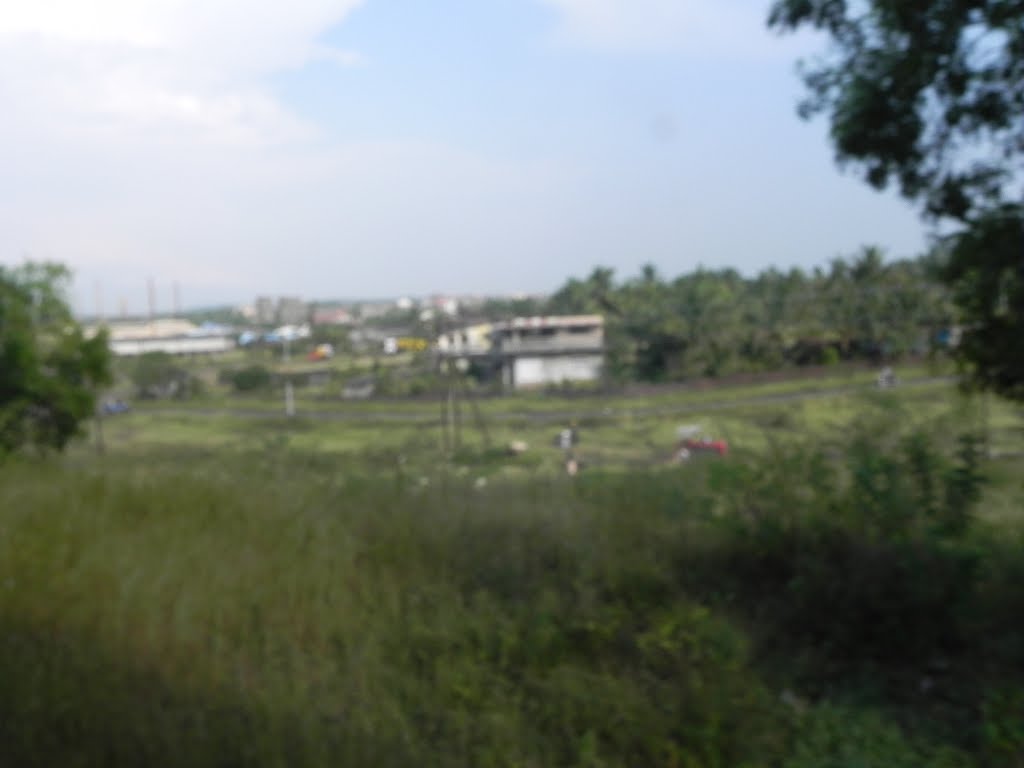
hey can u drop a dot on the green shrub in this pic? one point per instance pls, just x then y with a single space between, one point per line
1003 727
280 608
157 375
178 616
831 737
253 378
846 563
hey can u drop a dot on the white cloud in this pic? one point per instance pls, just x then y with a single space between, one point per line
132 128
193 64
337 56
234 35
735 28
228 223
142 139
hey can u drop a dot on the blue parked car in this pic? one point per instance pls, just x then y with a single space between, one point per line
113 407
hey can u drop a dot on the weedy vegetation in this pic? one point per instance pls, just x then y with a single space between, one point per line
845 599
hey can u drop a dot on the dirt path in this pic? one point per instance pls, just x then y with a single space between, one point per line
552 416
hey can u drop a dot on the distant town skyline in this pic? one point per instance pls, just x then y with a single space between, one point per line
380 148
142 309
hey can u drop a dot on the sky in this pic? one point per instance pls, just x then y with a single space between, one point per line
381 148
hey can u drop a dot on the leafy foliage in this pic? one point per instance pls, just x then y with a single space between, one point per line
806 608
711 323
252 378
910 87
158 375
930 95
49 371
985 266
833 737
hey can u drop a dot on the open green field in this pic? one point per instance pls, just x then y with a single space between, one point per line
617 431
584 399
233 589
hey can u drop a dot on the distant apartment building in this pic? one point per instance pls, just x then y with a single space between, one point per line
444 305
285 310
264 311
332 316
373 310
292 311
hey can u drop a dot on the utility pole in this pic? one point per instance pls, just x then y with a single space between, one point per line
289 394
454 404
101 447
455 393
98 417
446 445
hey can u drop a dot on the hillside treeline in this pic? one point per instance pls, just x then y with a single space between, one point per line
718 322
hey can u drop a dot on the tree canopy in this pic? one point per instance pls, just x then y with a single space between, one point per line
930 96
718 322
49 370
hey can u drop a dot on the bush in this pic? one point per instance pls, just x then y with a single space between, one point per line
812 608
1003 726
830 356
253 378
157 375
854 564
831 737
277 621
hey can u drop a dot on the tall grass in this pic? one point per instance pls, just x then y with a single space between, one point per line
285 610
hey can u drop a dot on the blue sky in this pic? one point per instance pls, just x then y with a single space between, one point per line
389 147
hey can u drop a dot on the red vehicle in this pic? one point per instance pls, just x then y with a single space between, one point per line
321 352
692 442
706 445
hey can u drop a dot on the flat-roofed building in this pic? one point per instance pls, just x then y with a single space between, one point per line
171 335
532 351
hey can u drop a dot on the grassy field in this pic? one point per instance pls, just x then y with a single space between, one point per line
616 431
327 398
218 590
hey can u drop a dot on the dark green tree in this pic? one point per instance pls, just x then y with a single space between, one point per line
986 269
716 322
50 372
252 378
930 96
157 375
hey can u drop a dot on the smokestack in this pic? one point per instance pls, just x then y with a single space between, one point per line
152 300
124 308
177 301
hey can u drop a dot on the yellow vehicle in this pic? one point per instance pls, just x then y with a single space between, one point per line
322 352
409 344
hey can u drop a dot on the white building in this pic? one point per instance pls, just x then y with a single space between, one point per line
471 340
178 345
170 335
533 351
536 351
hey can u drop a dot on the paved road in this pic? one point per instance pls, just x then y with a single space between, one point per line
549 416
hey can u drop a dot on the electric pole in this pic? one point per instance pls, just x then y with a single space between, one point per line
289 394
